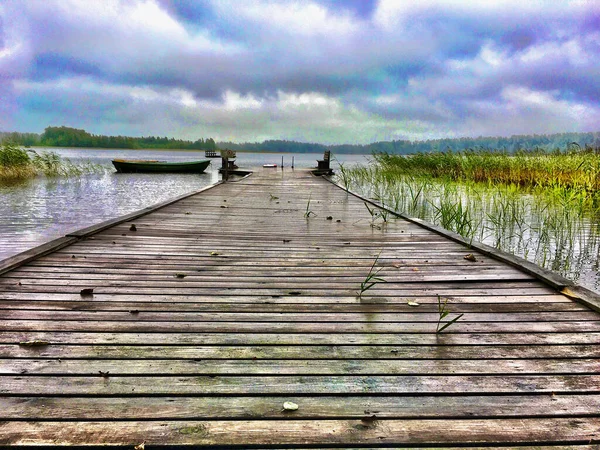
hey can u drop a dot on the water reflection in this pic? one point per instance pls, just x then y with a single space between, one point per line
35 211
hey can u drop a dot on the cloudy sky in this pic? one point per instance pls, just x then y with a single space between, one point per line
329 71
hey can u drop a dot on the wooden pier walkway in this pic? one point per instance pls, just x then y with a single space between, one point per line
223 306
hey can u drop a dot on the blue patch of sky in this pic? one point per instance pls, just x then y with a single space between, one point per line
196 15
360 8
51 65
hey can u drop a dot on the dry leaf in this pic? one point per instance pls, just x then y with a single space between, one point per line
470 257
141 446
86 292
214 253
397 265
290 406
411 303
180 275
133 227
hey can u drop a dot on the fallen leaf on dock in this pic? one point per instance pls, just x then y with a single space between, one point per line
141 446
87 292
180 275
133 227
290 406
294 293
411 303
214 253
470 257
104 374
35 343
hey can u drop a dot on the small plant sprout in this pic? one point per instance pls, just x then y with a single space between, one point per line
308 211
377 213
443 312
372 278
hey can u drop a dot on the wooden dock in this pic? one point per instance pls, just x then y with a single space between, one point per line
221 307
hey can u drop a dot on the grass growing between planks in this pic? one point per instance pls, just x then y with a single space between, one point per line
544 207
371 279
18 164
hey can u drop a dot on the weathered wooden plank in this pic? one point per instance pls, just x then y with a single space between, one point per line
260 305
291 290
305 352
259 337
409 316
331 275
191 367
139 326
114 385
274 298
248 408
302 432
258 279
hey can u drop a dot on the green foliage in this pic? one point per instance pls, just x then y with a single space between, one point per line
547 142
12 155
16 164
443 312
372 278
377 213
573 168
308 211
73 137
552 223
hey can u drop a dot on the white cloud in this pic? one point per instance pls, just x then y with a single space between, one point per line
302 18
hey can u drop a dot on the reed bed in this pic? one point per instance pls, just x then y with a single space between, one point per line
575 168
17 164
540 206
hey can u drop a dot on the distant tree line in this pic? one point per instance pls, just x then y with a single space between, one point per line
73 137
509 144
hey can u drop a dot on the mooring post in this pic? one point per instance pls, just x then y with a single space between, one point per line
282 161
292 162
225 163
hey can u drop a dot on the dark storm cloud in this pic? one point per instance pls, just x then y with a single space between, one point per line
332 70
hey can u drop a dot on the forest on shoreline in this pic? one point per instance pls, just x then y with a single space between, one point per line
73 137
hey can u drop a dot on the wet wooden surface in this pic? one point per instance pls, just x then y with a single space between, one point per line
222 306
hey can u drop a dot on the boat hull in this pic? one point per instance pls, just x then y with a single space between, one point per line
126 166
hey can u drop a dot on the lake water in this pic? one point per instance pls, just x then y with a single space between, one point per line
42 209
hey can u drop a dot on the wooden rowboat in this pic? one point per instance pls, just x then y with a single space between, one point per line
131 165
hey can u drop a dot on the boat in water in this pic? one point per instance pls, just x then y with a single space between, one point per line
269 165
137 165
